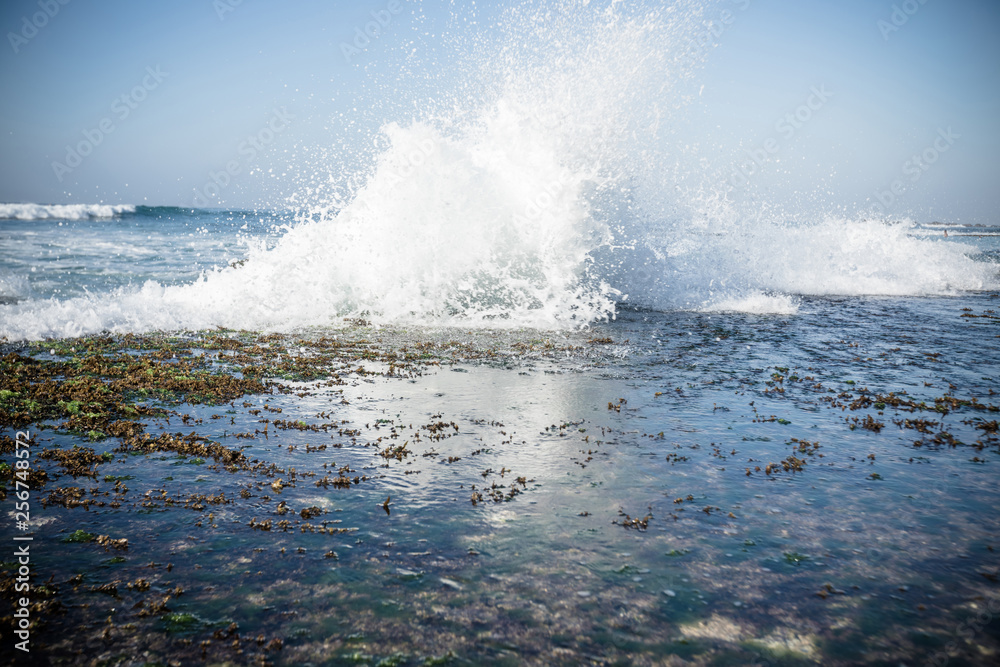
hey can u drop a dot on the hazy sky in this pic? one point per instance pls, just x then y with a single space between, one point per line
833 102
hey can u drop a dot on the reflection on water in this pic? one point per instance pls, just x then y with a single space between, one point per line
723 489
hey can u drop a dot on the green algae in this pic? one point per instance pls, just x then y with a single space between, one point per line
795 558
155 407
181 623
79 536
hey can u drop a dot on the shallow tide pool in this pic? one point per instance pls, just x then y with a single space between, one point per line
667 488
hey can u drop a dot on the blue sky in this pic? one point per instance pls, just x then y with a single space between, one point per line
202 79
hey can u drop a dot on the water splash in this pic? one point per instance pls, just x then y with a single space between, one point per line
540 187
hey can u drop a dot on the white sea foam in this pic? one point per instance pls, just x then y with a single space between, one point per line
755 263
544 201
757 303
62 211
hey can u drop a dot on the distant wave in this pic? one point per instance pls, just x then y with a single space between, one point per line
98 211
63 211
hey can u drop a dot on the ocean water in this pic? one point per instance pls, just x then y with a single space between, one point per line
744 437
715 488
80 270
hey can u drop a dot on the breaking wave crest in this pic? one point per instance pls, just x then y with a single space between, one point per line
62 211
